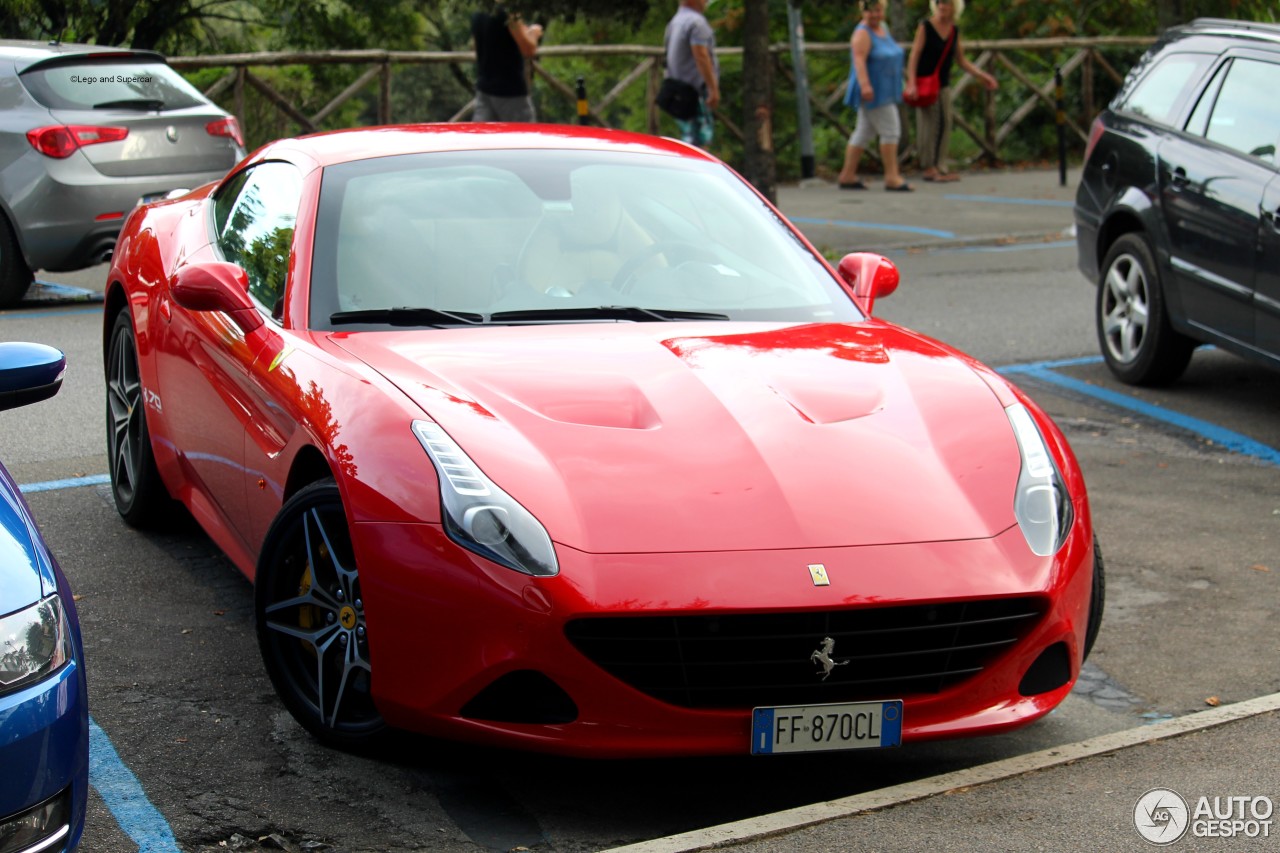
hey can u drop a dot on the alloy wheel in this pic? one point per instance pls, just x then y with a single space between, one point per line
312 621
125 416
1124 309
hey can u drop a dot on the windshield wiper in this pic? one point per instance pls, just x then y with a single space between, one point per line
407 317
132 104
603 312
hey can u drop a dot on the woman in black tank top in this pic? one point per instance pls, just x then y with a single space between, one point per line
936 47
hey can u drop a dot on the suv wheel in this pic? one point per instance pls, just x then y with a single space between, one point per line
15 278
1137 341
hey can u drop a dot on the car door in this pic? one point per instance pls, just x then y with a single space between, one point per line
1211 180
253 220
1267 297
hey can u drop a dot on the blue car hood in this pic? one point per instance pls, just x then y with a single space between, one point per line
26 575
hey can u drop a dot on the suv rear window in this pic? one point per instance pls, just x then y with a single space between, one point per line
106 83
1161 91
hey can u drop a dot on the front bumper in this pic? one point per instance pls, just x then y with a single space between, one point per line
448 629
44 748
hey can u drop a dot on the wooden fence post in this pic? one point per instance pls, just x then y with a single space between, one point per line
238 97
384 94
1086 87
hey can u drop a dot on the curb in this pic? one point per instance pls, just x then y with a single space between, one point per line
780 823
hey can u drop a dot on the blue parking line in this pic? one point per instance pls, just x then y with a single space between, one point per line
873 226
1045 371
1000 199
1005 247
123 795
27 314
108 774
73 483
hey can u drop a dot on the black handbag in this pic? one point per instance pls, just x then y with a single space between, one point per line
678 98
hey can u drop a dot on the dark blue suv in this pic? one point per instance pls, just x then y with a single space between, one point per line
1178 210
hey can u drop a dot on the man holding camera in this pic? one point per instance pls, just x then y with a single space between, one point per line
503 42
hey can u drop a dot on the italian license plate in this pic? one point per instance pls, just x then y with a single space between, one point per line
814 728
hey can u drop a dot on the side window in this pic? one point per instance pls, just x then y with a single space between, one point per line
1159 94
1244 115
254 217
1198 124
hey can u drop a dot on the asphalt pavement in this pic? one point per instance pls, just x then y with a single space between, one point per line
984 208
1202 781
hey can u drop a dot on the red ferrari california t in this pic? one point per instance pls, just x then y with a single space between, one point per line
565 439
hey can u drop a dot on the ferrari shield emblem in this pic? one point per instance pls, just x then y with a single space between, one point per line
818 572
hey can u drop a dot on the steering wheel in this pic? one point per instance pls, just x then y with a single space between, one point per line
675 251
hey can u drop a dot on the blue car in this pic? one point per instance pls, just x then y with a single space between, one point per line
44 717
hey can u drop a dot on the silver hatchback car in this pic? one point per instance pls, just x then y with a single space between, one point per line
85 133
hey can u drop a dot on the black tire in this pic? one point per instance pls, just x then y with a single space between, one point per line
140 495
15 276
1097 601
1137 341
311 620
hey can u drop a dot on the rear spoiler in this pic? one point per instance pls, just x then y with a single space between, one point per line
79 53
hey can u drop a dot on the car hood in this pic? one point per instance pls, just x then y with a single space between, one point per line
716 437
24 577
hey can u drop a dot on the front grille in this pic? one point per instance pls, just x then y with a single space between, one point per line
745 660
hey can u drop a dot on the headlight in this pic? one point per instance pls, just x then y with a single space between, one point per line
38 828
480 516
34 643
1041 503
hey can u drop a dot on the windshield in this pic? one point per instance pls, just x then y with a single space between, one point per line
539 236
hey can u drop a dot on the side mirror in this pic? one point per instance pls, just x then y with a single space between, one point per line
870 275
29 373
217 286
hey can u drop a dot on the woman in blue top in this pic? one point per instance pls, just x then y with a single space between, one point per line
875 89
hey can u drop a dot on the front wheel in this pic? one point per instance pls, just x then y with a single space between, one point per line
1138 343
311 620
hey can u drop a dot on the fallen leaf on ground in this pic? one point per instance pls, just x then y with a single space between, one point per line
1213 700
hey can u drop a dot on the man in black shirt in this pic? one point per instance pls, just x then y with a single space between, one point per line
503 42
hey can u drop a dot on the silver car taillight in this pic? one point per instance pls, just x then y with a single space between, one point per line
62 140
227 127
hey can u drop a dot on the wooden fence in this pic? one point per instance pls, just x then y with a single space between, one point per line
1024 65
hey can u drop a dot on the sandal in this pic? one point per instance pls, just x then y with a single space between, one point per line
853 185
900 188
945 178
